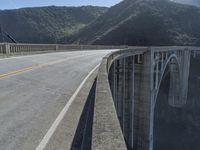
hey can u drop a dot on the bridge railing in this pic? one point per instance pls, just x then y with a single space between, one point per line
10 48
107 133
83 47
2 49
18 48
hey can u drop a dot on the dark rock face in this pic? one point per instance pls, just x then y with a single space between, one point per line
179 128
143 22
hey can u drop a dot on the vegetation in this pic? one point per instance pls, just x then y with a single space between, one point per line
47 24
143 22
131 22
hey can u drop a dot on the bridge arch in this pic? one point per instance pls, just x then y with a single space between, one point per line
169 89
173 67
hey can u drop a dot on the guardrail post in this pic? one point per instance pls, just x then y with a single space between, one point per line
4 48
7 46
56 47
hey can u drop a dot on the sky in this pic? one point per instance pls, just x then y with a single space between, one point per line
13 4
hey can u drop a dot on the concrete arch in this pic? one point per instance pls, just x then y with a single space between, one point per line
176 77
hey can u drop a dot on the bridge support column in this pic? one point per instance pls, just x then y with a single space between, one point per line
174 86
179 75
145 104
132 103
124 98
129 101
137 90
185 70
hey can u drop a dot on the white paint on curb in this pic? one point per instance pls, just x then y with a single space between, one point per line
61 115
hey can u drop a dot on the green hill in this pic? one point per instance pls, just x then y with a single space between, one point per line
143 22
47 24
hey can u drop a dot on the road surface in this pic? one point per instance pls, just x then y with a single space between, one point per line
33 91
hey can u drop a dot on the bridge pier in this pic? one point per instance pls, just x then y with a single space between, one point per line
145 113
185 70
174 84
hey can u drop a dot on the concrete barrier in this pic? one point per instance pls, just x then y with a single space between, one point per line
2 49
20 48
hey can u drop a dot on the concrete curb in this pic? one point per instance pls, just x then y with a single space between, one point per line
63 137
107 134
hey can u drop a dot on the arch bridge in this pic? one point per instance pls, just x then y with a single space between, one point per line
128 84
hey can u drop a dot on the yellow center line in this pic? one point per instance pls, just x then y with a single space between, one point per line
23 70
12 73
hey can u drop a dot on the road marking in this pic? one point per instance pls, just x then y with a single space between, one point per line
23 70
61 115
12 73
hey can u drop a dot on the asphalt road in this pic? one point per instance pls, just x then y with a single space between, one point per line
33 91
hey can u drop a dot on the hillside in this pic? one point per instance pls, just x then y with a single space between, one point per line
143 22
47 24
190 2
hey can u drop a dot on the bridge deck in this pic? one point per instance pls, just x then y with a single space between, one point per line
34 89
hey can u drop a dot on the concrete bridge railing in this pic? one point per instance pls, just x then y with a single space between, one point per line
127 86
20 48
2 48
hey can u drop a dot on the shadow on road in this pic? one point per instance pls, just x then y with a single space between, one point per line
83 137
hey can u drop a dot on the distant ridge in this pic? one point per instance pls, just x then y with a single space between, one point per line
189 2
143 22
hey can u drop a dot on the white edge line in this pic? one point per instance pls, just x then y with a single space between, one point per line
61 115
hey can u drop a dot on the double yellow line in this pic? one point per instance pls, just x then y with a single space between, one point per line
13 73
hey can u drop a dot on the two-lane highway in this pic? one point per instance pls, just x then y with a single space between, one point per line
33 91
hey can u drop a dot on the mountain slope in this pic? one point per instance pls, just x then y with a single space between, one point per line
190 2
144 22
47 24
